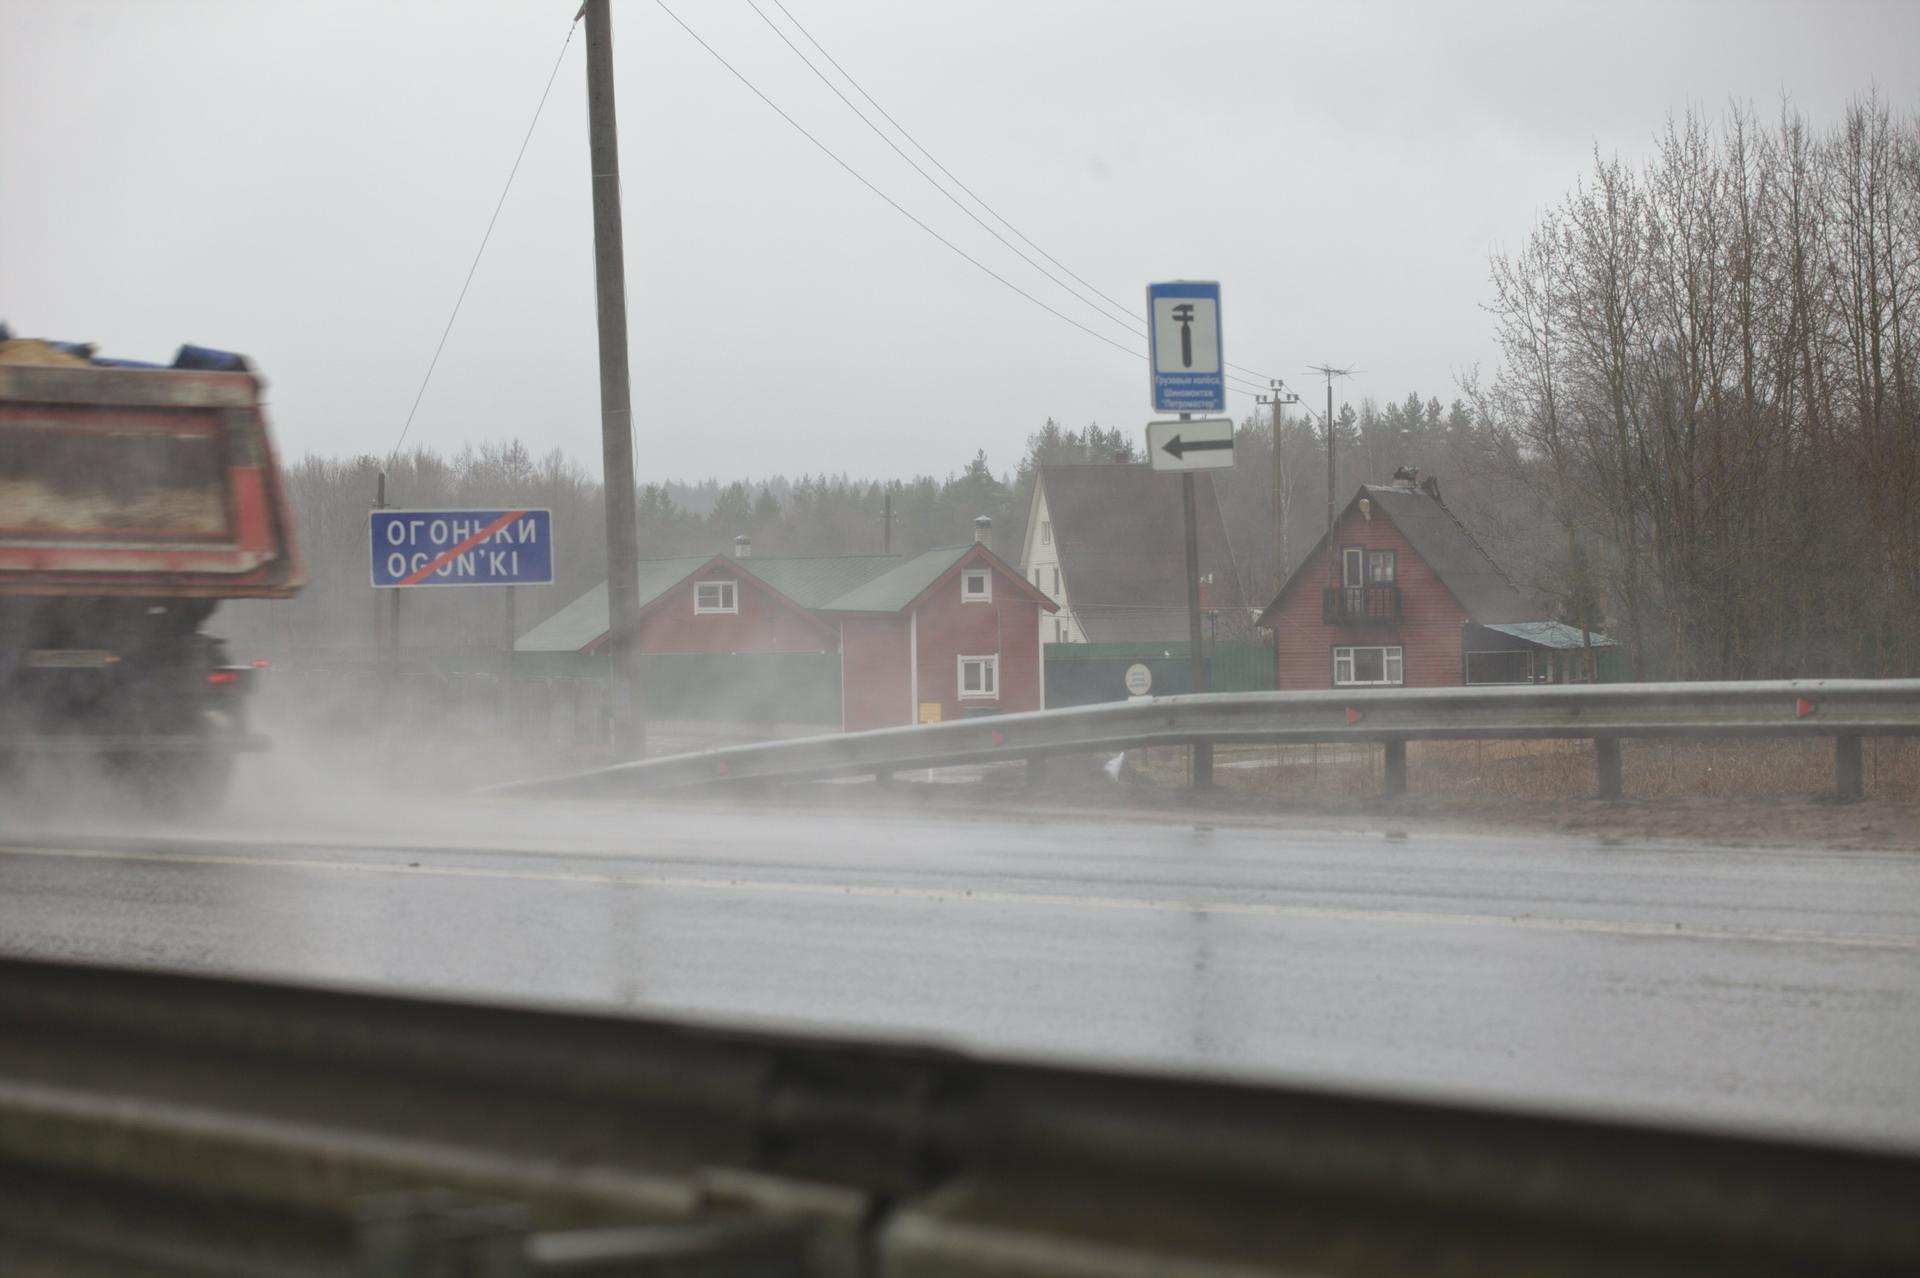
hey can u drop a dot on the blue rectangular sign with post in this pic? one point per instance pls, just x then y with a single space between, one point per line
1184 348
461 547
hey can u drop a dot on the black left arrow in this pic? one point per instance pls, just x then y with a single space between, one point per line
1177 447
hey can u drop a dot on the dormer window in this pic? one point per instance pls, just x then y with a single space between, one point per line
976 586
715 596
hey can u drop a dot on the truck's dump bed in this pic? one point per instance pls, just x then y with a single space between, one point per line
120 480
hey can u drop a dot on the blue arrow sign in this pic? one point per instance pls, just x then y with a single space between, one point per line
461 547
1183 341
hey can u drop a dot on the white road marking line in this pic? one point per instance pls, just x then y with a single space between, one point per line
968 896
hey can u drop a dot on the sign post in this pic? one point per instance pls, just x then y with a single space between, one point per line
1189 375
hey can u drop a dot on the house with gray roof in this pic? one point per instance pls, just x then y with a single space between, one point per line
1404 595
1106 542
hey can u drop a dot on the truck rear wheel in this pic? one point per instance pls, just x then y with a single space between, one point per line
179 785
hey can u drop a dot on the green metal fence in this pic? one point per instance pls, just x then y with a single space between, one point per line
716 687
1080 674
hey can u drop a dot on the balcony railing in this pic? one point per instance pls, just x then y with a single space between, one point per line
1362 605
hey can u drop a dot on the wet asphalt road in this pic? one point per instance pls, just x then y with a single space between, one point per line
1757 989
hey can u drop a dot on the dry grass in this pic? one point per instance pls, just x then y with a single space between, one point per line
1546 770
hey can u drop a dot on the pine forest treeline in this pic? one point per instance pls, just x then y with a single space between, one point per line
1702 437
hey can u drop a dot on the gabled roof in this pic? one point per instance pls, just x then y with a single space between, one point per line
1120 533
821 584
815 582
904 586
572 628
900 584
1436 534
1550 634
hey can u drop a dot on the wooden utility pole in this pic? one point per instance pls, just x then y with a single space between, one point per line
390 639
616 413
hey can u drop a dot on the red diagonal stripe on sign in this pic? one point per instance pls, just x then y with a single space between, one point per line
463 547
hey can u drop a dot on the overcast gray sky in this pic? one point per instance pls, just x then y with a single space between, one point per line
308 182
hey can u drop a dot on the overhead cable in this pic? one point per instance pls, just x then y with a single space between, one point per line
897 206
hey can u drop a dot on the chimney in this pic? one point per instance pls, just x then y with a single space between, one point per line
743 547
983 531
1406 477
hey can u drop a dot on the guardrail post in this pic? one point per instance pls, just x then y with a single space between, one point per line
1848 776
1393 772
1202 764
1606 758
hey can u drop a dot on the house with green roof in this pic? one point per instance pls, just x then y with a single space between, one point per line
911 638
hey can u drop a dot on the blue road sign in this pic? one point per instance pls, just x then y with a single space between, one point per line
462 547
1183 339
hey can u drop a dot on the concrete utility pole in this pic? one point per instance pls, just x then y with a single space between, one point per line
1277 402
616 413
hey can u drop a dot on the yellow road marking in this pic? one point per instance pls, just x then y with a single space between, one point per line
967 896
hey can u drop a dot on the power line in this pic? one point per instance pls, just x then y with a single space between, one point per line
498 205
894 204
1133 317
1130 321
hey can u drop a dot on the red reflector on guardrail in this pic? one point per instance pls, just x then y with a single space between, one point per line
1803 708
999 737
1353 716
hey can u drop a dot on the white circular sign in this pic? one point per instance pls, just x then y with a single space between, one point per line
1139 680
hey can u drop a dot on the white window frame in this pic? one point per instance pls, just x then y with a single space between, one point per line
990 682
727 586
1046 532
1353 566
984 594
1393 666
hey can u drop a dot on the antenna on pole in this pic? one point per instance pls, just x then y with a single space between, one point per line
1333 552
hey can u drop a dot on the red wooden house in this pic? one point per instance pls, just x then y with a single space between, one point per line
921 638
1408 598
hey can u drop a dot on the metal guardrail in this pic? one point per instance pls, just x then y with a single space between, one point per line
154 1122
1844 709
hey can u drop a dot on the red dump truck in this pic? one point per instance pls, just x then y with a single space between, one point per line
133 499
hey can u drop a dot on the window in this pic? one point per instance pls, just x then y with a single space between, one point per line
976 585
1353 566
1046 533
1059 632
1381 566
1363 667
979 678
1056 581
715 596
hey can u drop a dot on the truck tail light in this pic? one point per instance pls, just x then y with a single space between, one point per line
223 678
